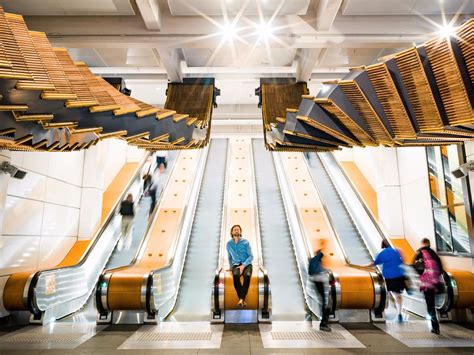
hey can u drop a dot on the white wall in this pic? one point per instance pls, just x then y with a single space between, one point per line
41 212
59 201
364 158
415 194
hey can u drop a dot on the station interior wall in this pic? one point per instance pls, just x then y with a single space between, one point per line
400 179
58 202
60 199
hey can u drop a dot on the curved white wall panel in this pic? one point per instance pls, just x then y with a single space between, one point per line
18 253
22 216
53 249
60 221
37 162
61 193
66 167
91 210
32 187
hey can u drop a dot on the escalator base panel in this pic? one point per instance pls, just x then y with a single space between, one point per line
59 336
176 335
416 334
306 335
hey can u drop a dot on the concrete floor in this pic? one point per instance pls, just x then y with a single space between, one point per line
244 339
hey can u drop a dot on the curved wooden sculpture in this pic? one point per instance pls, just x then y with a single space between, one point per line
419 97
51 103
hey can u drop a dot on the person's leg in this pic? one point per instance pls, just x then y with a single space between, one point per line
247 273
237 284
123 226
398 304
324 309
129 225
153 199
430 305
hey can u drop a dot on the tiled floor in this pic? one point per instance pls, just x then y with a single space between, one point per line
242 339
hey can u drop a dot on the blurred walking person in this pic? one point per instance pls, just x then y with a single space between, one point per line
428 265
127 210
392 271
319 275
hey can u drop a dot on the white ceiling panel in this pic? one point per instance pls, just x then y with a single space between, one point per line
350 57
237 92
232 7
150 91
115 57
87 55
244 57
68 7
406 7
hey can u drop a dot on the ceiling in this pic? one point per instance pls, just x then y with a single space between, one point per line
148 42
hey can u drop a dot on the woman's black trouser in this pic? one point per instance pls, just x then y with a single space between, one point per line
430 305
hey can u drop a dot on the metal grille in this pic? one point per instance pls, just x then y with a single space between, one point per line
30 338
450 334
175 336
306 335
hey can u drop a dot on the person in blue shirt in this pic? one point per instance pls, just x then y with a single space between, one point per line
240 262
393 273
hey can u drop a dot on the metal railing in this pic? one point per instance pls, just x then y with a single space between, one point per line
371 231
301 245
163 283
58 292
378 281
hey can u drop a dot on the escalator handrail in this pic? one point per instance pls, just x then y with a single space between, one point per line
32 284
186 225
331 223
192 222
370 269
255 210
283 183
196 182
331 179
225 202
377 226
149 226
446 277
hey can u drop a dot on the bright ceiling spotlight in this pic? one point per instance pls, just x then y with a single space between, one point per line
228 32
447 30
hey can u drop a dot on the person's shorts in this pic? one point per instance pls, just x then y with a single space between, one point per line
396 285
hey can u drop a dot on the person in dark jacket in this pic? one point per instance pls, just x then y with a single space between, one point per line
127 211
428 264
319 276
393 273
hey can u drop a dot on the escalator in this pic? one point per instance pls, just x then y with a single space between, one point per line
55 293
240 208
356 293
203 248
353 243
128 246
277 247
149 282
362 241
